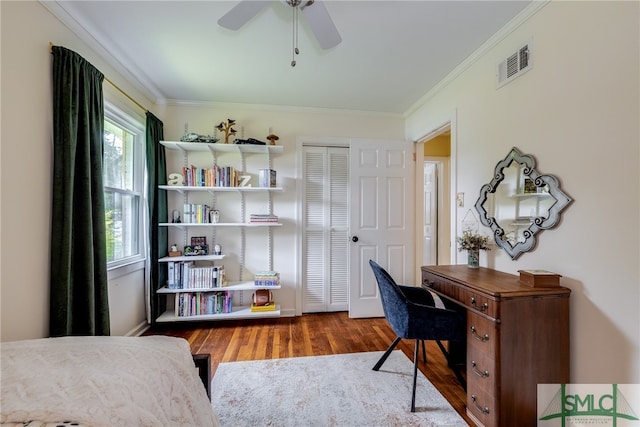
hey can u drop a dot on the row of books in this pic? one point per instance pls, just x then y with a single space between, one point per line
194 213
185 275
215 176
198 303
267 278
262 218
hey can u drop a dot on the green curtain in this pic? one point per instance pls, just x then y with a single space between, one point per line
157 175
78 283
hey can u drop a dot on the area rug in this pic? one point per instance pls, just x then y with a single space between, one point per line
337 390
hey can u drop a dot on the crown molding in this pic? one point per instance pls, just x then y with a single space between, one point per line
280 108
101 44
533 8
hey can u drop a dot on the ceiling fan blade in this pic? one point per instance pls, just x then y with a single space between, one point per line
241 13
321 24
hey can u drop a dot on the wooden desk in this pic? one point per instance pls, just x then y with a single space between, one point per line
518 337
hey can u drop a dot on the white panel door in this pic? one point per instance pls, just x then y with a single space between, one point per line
430 225
382 218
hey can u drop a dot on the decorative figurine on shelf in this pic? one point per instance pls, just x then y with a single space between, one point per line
217 249
175 179
214 216
194 137
176 216
174 250
272 139
227 128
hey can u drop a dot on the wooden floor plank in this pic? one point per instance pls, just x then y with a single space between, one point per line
309 335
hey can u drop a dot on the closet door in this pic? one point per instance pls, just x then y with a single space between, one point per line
325 229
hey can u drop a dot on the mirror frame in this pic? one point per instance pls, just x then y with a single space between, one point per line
538 224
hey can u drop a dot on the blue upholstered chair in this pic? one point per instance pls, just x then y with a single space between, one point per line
413 314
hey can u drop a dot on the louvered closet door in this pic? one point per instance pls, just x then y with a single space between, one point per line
326 229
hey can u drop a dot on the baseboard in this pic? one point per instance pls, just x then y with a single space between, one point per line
138 330
287 313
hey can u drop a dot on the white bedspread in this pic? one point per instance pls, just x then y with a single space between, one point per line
103 381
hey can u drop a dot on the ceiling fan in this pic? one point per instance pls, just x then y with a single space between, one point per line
314 11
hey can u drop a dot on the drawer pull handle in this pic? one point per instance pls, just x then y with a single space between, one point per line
484 410
429 283
475 334
483 307
479 373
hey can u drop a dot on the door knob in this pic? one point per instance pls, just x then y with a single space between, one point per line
354 239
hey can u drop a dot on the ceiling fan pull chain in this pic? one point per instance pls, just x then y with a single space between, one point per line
295 36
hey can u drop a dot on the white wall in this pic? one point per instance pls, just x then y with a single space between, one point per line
577 112
25 173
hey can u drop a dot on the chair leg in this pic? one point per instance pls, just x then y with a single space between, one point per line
386 354
416 353
424 352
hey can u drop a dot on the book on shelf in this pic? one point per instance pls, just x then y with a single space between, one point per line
267 278
267 178
271 306
171 283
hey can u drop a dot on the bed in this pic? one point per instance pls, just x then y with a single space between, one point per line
102 381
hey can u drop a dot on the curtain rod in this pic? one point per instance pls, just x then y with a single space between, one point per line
115 86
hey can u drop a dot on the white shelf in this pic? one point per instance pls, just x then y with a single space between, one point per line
236 313
185 188
232 286
191 258
518 195
222 147
220 224
200 149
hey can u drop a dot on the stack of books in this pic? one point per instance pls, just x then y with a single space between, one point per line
270 306
267 278
263 218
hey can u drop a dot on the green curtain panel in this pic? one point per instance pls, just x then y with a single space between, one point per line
158 240
79 299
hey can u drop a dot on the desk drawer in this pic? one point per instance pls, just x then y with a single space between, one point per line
482 334
474 301
482 406
481 371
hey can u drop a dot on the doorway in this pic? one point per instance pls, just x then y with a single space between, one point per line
435 207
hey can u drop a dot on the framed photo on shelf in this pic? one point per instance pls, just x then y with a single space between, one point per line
529 187
198 241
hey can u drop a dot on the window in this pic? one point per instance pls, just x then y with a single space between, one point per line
123 170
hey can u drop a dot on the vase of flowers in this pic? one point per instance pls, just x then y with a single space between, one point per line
473 243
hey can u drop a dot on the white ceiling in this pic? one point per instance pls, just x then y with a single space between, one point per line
392 52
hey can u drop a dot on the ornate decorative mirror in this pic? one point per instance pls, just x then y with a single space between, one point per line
519 202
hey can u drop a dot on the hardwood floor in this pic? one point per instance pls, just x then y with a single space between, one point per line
310 335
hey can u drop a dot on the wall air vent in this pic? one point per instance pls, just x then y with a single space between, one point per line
514 66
